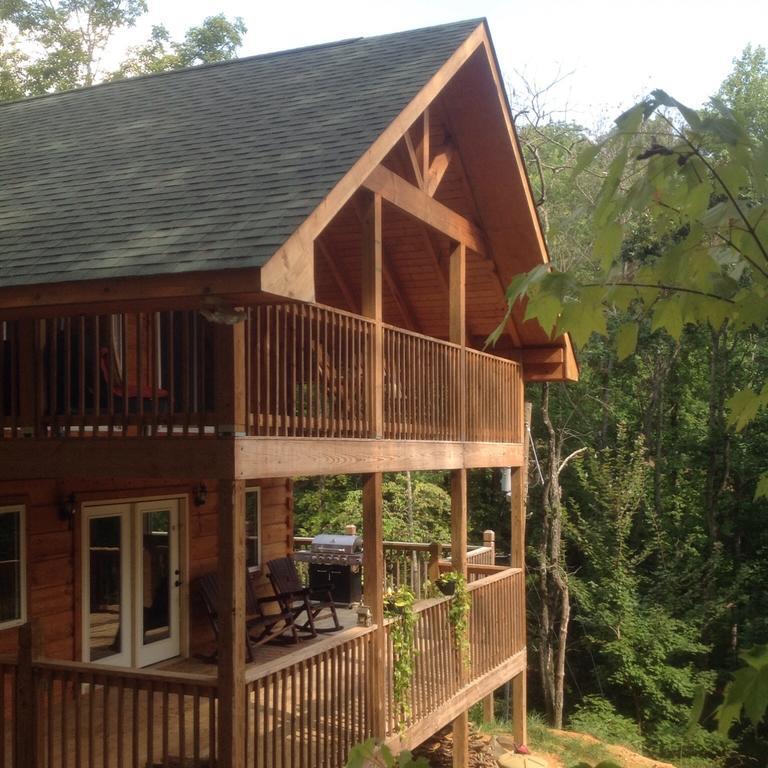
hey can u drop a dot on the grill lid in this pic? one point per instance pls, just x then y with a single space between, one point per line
336 543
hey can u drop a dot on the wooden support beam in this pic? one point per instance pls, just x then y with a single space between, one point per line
231 650
518 503
413 157
542 355
373 567
229 351
457 325
437 170
425 144
418 204
352 304
371 279
459 563
457 302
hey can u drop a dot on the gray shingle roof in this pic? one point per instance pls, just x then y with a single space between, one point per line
207 168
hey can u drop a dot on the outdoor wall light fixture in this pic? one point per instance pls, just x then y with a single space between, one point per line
67 508
200 495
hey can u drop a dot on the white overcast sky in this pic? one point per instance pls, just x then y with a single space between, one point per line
616 51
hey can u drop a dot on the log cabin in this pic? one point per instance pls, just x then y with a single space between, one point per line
215 280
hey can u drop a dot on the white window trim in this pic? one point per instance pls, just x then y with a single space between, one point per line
21 509
256 490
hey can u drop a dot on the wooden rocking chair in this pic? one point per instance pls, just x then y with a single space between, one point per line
296 599
260 627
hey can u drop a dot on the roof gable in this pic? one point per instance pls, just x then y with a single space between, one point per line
209 168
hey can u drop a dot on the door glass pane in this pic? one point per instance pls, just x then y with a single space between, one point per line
156 575
10 566
106 586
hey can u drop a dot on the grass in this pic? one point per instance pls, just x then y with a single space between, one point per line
542 739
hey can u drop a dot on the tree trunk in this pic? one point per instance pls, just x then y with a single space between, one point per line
555 610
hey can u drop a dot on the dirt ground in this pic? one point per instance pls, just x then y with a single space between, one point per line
438 751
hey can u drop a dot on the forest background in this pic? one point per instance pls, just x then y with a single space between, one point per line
647 547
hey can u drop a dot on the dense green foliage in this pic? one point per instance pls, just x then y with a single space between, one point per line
59 45
659 236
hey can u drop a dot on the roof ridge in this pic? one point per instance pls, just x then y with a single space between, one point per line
237 60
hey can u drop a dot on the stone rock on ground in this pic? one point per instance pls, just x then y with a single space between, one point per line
438 750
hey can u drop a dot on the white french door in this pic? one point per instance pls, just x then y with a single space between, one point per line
131 582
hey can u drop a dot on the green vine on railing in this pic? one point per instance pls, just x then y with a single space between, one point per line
398 604
454 583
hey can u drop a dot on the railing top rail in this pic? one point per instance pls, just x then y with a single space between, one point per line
422 336
493 576
258 671
323 307
405 546
8 660
155 675
490 356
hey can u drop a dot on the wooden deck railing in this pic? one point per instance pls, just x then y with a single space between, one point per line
309 710
415 563
106 716
307 374
307 371
494 400
496 634
421 387
7 712
148 374
307 707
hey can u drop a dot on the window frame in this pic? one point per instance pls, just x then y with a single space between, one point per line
254 491
21 510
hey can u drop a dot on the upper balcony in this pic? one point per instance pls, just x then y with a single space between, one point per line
310 372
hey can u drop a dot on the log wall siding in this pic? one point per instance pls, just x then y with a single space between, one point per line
53 575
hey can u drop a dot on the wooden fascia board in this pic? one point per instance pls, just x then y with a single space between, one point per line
570 361
115 294
418 204
286 457
297 252
130 457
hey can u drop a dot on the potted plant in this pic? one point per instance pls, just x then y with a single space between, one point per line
446 582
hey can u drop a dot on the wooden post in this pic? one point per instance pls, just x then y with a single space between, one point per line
518 501
229 352
231 418
373 568
371 283
489 541
26 734
457 325
433 565
459 563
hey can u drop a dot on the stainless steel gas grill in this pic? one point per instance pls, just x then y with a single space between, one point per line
335 562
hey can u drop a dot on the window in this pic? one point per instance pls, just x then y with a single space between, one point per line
12 566
253 528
